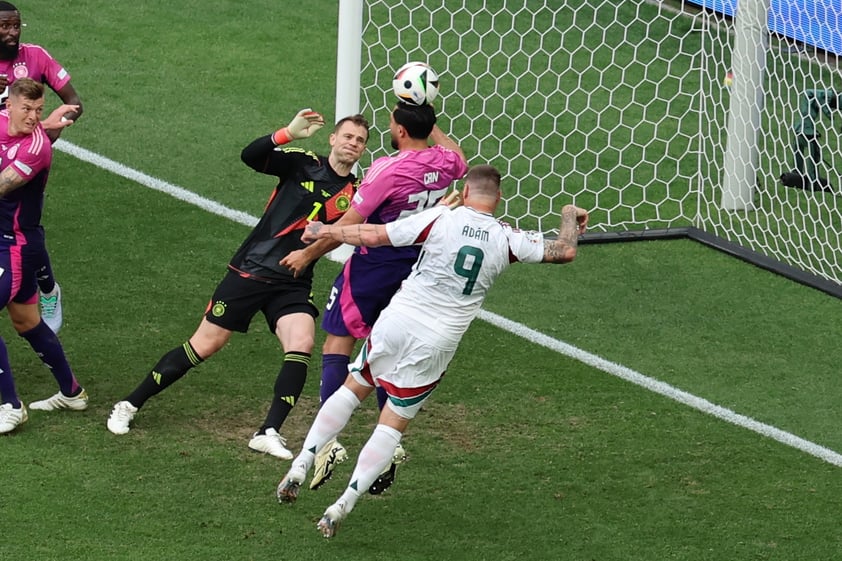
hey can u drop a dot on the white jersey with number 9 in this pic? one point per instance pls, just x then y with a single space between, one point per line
463 252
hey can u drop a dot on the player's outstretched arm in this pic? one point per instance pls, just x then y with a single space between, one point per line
69 96
563 249
297 261
260 154
72 111
369 235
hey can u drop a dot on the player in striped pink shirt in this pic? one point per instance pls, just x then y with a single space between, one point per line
25 159
25 60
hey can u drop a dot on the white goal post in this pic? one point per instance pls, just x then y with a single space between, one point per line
664 118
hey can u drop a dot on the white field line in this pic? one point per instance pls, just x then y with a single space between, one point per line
154 183
662 388
515 328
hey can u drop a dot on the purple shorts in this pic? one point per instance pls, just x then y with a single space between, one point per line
18 280
361 291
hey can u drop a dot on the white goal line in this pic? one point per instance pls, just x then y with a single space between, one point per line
510 326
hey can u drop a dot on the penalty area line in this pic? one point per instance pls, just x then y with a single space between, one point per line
505 324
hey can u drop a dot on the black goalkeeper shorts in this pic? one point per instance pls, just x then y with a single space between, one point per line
236 300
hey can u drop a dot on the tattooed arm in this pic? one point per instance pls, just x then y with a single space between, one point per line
298 260
369 235
10 180
563 249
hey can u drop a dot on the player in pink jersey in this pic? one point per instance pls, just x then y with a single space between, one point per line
414 179
25 159
24 60
413 341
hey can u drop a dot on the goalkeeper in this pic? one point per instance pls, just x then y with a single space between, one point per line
310 187
806 174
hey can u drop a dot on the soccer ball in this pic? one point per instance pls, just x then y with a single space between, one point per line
416 83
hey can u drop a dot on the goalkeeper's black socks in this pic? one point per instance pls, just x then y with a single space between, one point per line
288 387
169 370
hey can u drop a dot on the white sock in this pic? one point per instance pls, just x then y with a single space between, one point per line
374 457
331 419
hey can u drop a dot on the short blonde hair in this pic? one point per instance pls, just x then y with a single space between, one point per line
27 88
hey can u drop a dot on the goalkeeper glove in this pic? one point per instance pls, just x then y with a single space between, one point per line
303 125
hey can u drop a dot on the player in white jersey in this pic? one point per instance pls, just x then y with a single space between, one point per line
412 342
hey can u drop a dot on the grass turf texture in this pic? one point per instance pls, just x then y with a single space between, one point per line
521 453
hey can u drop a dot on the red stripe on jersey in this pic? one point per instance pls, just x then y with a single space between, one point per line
271 198
331 211
339 203
300 224
425 233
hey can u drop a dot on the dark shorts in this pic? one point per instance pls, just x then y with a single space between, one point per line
360 292
17 276
236 300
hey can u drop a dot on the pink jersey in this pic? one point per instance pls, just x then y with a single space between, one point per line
20 210
393 187
406 183
33 61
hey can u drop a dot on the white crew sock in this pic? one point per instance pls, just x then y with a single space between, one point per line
374 457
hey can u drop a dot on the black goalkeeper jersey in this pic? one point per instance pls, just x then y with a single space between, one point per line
308 189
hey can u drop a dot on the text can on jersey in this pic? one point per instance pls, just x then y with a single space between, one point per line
416 83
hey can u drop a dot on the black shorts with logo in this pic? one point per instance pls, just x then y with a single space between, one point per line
237 299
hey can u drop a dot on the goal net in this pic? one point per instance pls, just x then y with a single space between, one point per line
631 109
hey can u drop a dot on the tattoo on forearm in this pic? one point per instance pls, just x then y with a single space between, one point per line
558 250
569 236
7 184
555 250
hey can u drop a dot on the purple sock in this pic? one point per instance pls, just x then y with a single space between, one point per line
334 372
7 381
48 348
382 398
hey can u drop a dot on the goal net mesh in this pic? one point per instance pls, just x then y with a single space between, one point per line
620 107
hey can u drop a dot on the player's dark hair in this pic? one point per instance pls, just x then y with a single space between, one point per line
418 120
357 119
7 7
27 88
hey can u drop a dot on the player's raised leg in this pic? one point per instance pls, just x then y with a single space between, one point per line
330 420
375 456
170 368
